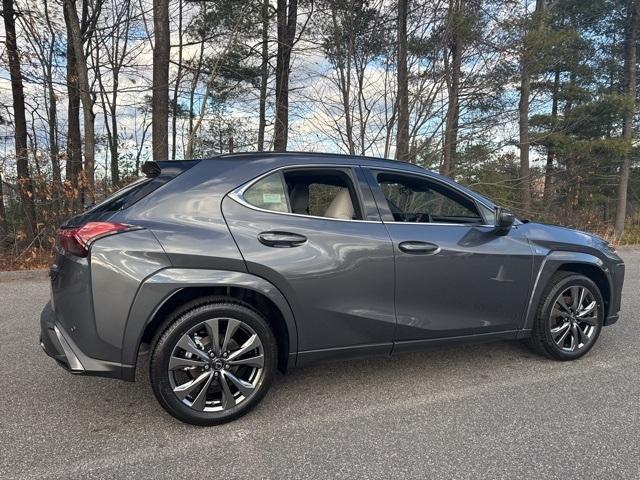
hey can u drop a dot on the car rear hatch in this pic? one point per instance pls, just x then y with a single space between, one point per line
70 272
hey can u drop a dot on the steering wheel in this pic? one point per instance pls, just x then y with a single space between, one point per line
423 218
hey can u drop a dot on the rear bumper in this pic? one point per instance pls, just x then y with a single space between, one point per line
57 343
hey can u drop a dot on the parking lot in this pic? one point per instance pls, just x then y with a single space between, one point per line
459 411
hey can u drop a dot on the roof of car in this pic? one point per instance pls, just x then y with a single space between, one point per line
311 157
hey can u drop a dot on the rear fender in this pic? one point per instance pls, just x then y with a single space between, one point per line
159 288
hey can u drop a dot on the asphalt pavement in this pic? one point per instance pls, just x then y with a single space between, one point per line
458 411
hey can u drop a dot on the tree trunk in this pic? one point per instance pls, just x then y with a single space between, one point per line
3 215
402 137
343 67
194 85
523 123
20 122
629 85
548 171
82 71
523 116
160 100
176 87
264 74
53 132
74 140
453 88
287 18
54 148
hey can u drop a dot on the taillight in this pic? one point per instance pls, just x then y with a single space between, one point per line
78 240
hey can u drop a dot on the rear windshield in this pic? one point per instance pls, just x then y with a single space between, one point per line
127 196
118 199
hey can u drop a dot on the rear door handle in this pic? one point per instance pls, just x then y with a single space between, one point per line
281 239
417 247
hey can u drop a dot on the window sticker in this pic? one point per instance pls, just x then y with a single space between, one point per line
271 198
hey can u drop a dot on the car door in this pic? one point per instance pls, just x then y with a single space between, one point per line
455 275
315 233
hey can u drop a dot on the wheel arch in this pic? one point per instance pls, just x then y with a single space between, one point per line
170 288
585 264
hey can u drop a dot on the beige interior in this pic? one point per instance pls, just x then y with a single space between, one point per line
341 206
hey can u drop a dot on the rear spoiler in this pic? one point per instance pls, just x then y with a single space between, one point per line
169 168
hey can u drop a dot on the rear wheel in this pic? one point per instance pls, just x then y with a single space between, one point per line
569 318
213 362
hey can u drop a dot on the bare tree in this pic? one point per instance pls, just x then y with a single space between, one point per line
453 72
75 35
43 43
112 47
176 85
160 100
287 21
264 73
195 78
629 88
74 137
402 98
526 62
3 215
19 119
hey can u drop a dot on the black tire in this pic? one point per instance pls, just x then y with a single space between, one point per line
184 320
541 339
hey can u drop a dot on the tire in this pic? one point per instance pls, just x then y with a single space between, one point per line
181 376
550 335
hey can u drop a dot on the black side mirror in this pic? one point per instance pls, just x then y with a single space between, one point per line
504 219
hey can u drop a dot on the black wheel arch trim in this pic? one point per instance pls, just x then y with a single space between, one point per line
159 288
559 260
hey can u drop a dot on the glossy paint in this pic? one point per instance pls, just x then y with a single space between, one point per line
477 282
340 281
347 289
159 288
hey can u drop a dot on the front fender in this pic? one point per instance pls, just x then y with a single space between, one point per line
549 265
158 288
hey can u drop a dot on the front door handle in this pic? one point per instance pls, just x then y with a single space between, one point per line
417 247
281 239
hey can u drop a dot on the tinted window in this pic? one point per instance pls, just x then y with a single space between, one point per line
119 198
268 193
317 192
417 199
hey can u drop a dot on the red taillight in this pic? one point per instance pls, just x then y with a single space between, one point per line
78 240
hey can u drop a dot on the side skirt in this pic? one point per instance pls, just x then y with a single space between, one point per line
384 349
414 345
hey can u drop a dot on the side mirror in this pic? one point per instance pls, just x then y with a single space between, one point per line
504 219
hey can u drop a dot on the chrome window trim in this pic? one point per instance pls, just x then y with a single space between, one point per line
238 194
432 178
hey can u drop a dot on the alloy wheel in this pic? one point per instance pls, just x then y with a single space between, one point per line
574 318
216 365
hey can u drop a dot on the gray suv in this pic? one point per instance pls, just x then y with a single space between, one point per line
230 268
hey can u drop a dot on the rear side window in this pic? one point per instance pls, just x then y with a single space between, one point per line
328 193
268 193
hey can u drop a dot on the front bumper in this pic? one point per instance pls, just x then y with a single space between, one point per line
58 344
615 301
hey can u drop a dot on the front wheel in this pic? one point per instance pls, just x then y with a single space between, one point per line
569 318
213 363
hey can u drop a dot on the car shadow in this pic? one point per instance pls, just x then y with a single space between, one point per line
110 406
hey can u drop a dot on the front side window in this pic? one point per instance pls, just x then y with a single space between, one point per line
316 192
420 200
